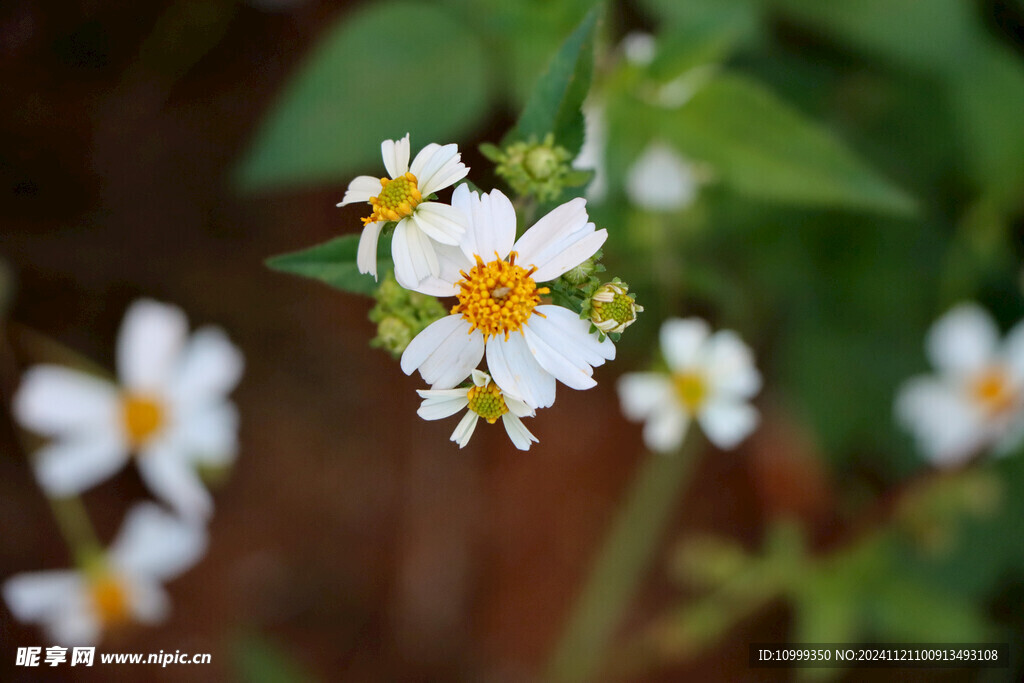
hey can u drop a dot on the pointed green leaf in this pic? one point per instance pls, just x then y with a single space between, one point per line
555 105
385 70
334 263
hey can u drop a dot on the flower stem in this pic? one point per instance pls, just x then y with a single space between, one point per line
73 522
619 566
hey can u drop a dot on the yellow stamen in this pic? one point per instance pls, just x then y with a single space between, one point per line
487 402
142 417
691 388
993 391
109 599
396 200
497 297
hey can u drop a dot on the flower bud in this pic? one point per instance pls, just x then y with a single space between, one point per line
535 168
393 335
612 310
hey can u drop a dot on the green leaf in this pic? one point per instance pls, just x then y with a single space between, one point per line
388 69
555 105
334 263
765 149
258 660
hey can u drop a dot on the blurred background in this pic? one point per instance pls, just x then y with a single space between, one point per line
857 167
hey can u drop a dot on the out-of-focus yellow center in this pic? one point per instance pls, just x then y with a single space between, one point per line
109 599
691 388
396 200
142 415
497 297
993 391
487 402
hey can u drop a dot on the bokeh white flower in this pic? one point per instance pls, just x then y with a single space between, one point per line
661 179
121 586
976 399
421 225
484 399
592 153
528 344
711 378
169 410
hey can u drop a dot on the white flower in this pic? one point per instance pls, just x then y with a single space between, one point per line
170 410
528 345
399 198
591 156
711 378
484 399
120 586
639 47
977 398
661 179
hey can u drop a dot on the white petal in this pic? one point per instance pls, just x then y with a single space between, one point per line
947 427
75 623
681 341
450 260
439 407
414 255
440 222
366 253
727 422
396 156
69 466
54 400
209 368
963 340
148 601
661 180
149 344
437 167
517 372
591 156
564 364
157 544
1013 352
643 393
567 333
480 378
33 596
559 241
173 479
665 429
517 431
208 433
464 430
445 352
360 190
492 223
730 365
517 407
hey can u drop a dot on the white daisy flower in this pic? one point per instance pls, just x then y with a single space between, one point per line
399 198
977 398
528 345
661 180
711 378
484 399
123 585
170 410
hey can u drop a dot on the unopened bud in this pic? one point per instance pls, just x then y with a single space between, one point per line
393 335
540 169
612 310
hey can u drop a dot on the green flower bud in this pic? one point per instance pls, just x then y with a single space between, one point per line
612 310
538 169
393 335
582 272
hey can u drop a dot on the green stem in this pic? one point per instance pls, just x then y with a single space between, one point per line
73 522
619 566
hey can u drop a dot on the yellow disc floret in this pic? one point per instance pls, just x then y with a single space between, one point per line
498 297
487 402
691 388
109 599
993 391
142 416
396 200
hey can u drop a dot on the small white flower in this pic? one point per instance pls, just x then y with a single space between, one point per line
977 398
122 585
422 225
639 47
661 179
711 378
484 399
591 156
528 345
170 410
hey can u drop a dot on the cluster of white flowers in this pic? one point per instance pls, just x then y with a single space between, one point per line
976 401
169 413
468 250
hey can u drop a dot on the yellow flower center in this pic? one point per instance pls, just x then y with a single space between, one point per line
993 391
497 297
487 402
109 599
396 200
142 416
691 388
